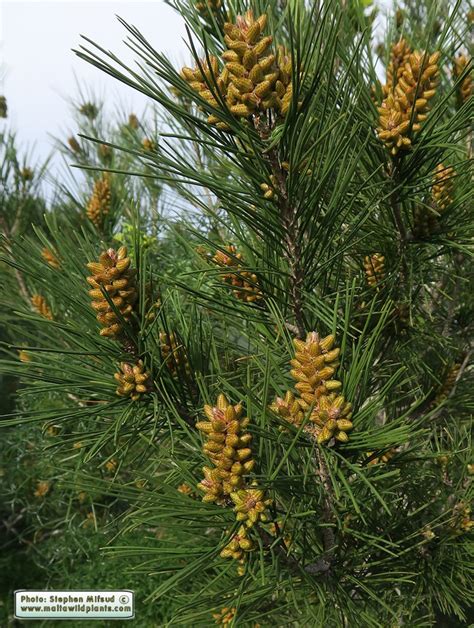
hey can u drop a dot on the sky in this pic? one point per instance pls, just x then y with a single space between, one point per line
39 73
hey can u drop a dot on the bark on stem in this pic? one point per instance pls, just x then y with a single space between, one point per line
19 277
288 214
398 220
292 242
292 249
328 507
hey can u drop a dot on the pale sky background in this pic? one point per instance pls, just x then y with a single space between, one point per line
38 70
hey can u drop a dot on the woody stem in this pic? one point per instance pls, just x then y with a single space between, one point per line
288 214
328 505
395 204
398 220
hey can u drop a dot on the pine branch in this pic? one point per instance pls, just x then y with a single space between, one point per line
19 277
394 200
462 368
395 205
425 406
289 560
288 214
317 567
328 509
184 414
454 302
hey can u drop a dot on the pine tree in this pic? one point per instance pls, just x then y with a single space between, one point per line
35 503
279 388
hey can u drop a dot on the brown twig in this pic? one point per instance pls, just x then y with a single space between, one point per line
454 299
462 368
288 214
293 257
394 199
292 329
394 173
19 277
289 560
328 507
426 405
17 221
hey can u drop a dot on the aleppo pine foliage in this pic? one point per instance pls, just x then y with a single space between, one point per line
265 404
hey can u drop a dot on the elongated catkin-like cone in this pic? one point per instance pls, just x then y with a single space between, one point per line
112 274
